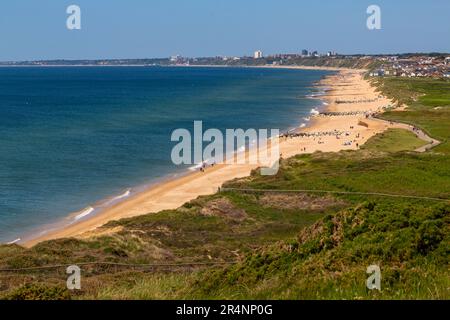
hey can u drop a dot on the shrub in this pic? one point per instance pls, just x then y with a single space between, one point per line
429 236
38 292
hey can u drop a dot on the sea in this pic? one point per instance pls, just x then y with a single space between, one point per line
76 139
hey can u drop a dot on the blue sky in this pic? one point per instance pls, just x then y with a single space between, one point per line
31 29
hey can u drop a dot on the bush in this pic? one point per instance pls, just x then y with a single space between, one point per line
429 236
38 292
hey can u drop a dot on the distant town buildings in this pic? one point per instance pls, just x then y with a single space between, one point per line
377 73
413 66
179 60
258 54
175 58
434 65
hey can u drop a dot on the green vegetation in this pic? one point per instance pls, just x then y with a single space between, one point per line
394 140
281 245
410 243
364 171
39 292
428 105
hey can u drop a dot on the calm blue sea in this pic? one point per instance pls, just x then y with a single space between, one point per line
70 137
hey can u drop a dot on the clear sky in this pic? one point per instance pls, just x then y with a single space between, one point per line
36 29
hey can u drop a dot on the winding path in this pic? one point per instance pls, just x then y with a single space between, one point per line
418 132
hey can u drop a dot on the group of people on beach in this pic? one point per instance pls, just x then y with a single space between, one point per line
320 134
345 113
315 134
350 142
356 101
205 165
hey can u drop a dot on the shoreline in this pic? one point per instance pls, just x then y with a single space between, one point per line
98 207
174 192
323 68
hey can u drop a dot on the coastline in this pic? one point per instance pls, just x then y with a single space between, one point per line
186 66
172 193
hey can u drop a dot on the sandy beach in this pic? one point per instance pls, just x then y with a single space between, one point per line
349 98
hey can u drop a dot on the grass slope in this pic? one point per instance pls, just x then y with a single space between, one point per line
410 243
428 102
394 140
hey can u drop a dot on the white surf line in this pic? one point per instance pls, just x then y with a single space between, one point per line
123 195
14 241
84 213
88 210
